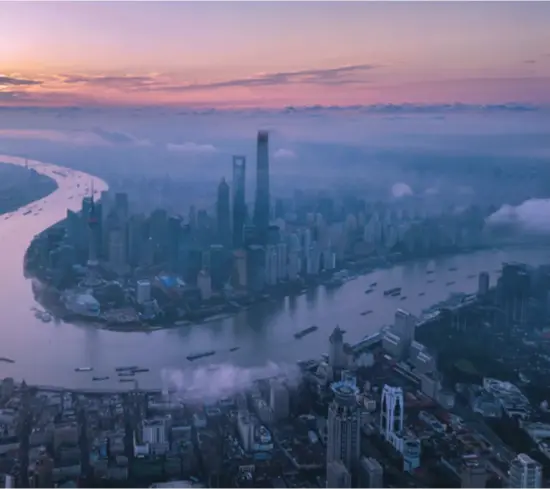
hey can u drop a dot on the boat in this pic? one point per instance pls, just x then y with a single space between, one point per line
368 291
374 284
83 369
26 213
126 380
235 348
449 283
140 370
304 332
403 298
429 272
6 360
196 356
421 293
394 291
122 369
97 379
364 313
126 374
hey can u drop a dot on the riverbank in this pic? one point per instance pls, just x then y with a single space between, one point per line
226 307
20 186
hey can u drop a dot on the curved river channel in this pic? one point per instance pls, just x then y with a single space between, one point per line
48 353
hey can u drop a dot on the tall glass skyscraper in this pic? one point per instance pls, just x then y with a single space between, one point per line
261 206
239 203
223 216
343 427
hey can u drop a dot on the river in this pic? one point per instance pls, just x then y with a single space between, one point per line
48 353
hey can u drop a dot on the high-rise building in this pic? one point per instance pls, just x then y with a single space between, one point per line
483 284
223 214
239 202
371 473
278 399
255 268
404 326
261 204
336 354
121 205
343 426
271 265
338 475
117 250
525 472
94 225
391 412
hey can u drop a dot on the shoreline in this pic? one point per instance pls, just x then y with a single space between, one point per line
277 293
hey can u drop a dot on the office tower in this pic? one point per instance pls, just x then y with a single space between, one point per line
239 269
117 250
391 412
343 426
404 326
223 217
279 399
483 284
271 265
525 472
255 268
239 203
514 288
121 205
261 205
371 473
282 259
336 354
94 223
219 266
337 475
174 233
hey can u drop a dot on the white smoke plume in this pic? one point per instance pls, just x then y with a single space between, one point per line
533 215
400 190
214 382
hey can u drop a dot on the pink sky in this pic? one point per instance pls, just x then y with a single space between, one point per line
249 54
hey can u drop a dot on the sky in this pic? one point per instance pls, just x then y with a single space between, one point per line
235 55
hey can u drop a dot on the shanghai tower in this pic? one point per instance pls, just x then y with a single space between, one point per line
261 206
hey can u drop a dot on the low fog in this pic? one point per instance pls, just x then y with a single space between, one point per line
499 153
214 382
532 216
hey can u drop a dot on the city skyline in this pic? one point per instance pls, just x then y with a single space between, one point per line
234 55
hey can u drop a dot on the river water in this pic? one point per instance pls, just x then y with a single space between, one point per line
48 353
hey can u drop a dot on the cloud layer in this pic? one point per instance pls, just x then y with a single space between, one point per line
189 147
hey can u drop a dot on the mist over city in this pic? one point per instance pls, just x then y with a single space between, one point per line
274 244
